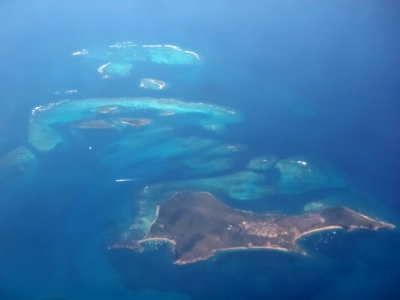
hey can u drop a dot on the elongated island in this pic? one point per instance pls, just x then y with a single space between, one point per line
197 224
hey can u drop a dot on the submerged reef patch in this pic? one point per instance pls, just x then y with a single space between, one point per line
128 52
299 175
114 69
44 137
164 148
15 163
207 164
244 185
315 206
152 84
264 162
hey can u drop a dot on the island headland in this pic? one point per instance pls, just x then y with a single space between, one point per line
198 225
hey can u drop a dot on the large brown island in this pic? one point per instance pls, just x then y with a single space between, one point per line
198 225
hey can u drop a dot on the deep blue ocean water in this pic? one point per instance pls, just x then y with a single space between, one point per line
316 79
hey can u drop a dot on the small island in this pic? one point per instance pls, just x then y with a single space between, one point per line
134 122
152 84
198 225
95 124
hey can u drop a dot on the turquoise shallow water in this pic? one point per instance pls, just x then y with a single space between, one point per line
310 82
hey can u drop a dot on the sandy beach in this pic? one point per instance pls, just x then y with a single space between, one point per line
319 229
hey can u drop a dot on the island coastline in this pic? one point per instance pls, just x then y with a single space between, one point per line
198 226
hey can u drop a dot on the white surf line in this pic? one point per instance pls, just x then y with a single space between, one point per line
100 70
84 51
193 53
125 180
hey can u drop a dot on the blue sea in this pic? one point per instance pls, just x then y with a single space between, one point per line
299 82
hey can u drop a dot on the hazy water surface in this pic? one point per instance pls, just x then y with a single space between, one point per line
316 79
